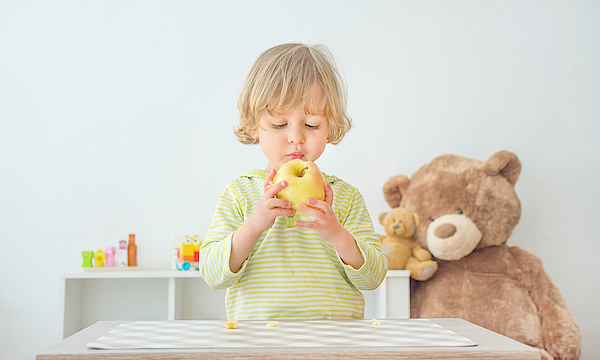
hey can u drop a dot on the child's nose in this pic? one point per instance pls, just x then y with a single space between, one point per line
296 137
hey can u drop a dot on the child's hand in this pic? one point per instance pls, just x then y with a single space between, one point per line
326 223
269 207
329 228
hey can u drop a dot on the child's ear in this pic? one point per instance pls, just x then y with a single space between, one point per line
254 132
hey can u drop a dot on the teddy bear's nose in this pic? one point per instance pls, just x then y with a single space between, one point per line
396 226
445 231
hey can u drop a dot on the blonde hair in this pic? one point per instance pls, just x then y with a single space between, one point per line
282 79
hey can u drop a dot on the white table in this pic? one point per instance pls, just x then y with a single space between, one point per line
490 346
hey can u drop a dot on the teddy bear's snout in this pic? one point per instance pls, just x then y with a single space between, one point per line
398 229
452 237
445 231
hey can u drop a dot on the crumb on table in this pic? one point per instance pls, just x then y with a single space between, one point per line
230 324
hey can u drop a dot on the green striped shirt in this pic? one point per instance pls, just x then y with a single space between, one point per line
291 272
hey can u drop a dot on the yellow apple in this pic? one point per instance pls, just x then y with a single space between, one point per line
304 180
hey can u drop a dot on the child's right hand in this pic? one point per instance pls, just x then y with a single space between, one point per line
269 207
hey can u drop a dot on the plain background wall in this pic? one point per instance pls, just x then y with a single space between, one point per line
116 118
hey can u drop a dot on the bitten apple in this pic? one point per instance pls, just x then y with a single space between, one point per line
304 181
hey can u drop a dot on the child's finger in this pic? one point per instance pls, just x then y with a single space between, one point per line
311 210
279 203
305 224
270 177
275 188
281 212
317 204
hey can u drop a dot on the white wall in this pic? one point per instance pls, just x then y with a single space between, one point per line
116 117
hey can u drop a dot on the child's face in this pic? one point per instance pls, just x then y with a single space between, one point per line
291 135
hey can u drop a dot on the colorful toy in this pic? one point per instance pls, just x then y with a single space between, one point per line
110 256
87 258
187 253
121 254
99 257
132 251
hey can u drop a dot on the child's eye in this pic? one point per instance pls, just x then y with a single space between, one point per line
278 126
313 127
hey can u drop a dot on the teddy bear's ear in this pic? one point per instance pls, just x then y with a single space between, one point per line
394 188
504 163
382 217
417 219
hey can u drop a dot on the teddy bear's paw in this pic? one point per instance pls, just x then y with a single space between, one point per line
428 268
427 273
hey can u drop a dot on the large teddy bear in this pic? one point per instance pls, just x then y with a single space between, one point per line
468 210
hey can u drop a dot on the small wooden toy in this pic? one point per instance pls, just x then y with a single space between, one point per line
132 251
122 257
121 254
110 256
87 258
99 257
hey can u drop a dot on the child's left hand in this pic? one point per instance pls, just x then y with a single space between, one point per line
329 229
326 223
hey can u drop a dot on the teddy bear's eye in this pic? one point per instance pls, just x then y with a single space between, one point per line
431 218
460 211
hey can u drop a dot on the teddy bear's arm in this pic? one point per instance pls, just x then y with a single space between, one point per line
420 253
562 338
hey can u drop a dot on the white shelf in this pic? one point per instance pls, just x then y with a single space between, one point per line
90 296
131 274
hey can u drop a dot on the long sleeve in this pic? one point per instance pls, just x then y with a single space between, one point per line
358 222
216 249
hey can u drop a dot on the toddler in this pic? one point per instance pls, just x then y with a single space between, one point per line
293 104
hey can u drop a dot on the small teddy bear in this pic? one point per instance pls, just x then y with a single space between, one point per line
400 224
